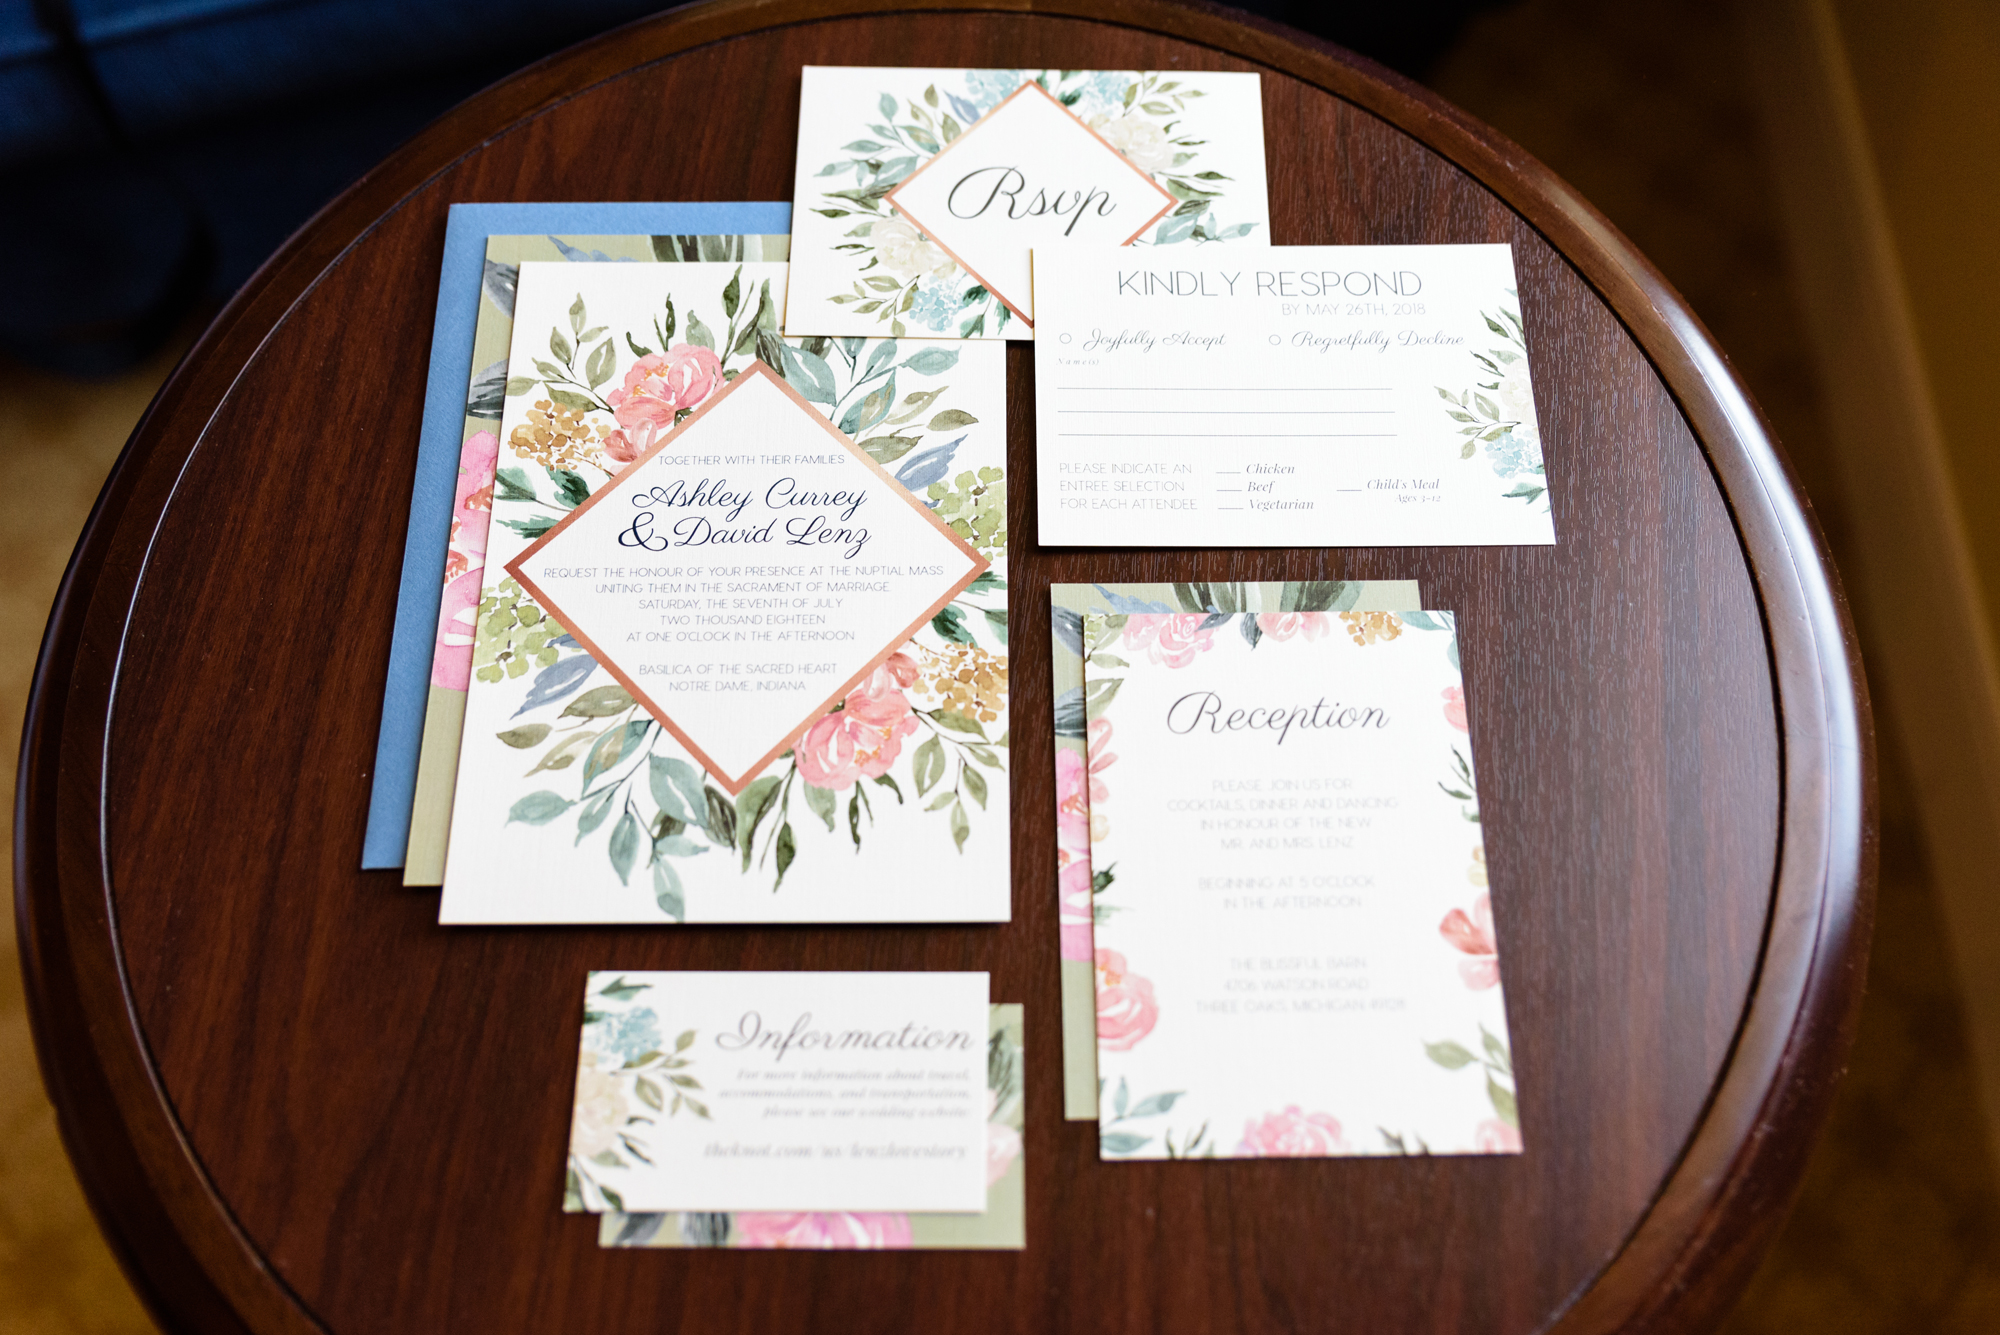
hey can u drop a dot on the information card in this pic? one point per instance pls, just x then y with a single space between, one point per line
781 1091
1297 396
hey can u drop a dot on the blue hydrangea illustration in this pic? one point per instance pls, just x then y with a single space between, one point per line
988 87
1102 92
628 1035
934 306
1510 455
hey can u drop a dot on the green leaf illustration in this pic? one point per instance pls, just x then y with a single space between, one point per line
974 783
612 747
527 735
821 802
809 374
599 702
928 764
597 369
1503 1103
1121 1142
932 361
957 722
1449 1055
538 808
595 809
951 418
732 295
721 822
698 332
668 895
888 449
571 489
752 805
625 846
677 790
649 1094
785 851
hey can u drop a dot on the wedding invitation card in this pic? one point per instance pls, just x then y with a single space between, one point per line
586 228
1295 951
921 191
1293 396
1002 1225
1077 888
471 497
741 644
781 1092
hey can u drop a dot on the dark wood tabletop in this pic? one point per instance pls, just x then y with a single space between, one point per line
298 1104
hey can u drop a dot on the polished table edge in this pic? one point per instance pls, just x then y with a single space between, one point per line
1687 1258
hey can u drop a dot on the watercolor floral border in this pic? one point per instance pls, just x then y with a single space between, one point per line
999 1227
1496 414
905 281
660 807
1128 1010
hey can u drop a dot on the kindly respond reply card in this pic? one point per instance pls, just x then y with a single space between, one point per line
1295 952
740 651
921 191
781 1091
1294 396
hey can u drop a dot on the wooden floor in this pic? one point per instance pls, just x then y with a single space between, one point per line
1644 109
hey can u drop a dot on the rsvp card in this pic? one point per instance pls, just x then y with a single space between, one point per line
1296 396
1295 951
920 192
782 1092
740 653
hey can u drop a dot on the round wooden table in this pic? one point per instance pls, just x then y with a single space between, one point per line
297 1103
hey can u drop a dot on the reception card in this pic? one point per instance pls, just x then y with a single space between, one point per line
1076 887
1294 396
921 191
1294 945
781 1092
741 642
1002 1225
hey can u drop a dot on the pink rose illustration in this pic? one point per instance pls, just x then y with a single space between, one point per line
1473 934
1126 1010
1291 1134
1072 801
862 739
1074 915
1494 1136
1078 788
624 446
1282 626
1174 639
661 384
1454 708
465 562
824 1232
1003 1143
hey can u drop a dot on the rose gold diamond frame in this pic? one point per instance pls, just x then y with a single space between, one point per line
896 204
735 784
